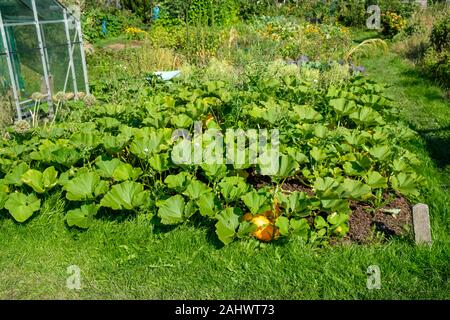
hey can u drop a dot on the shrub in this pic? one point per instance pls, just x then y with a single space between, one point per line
392 23
351 12
134 33
436 62
116 22
437 66
440 35
400 7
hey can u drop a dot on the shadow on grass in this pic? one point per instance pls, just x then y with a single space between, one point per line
437 140
438 146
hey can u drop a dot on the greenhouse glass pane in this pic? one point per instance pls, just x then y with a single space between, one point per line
58 56
16 11
6 105
49 10
79 68
26 60
4 76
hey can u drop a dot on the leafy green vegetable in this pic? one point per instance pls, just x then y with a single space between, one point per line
256 202
81 217
356 189
127 195
195 189
126 171
227 224
171 211
14 177
375 180
232 188
40 182
283 225
82 187
405 184
178 182
22 206
208 204
33 178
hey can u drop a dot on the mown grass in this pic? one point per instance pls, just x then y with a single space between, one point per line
129 259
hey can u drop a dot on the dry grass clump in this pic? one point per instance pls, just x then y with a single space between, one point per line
6 111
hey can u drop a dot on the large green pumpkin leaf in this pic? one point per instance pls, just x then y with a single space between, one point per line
181 121
380 152
126 171
295 203
171 211
3 198
256 202
65 156
356 190
50 177
367 117
343 106
106 168
127 195
178 182
82 187
375 180
282 224
308 114
300 228
352 168
14 177
338 205
232 188
83 139
40 182
288 166
208 204
81 217
148 142
159 162
318 154
21 206
214 171
245 229
114 144
33 178
227 224
405 184
336 219
326 188
195 189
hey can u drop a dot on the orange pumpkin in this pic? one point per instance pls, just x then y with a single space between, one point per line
265 230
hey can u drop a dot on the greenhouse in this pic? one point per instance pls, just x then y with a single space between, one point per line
41 53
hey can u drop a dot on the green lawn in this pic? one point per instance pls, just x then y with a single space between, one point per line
128 259
420 103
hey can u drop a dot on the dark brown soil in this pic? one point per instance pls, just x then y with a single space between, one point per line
366 226
293 186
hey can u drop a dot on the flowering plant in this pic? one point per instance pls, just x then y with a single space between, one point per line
134 33
392 23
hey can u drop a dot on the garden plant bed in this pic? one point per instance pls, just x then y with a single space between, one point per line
364 223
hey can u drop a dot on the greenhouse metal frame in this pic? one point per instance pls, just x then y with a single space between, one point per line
41 51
